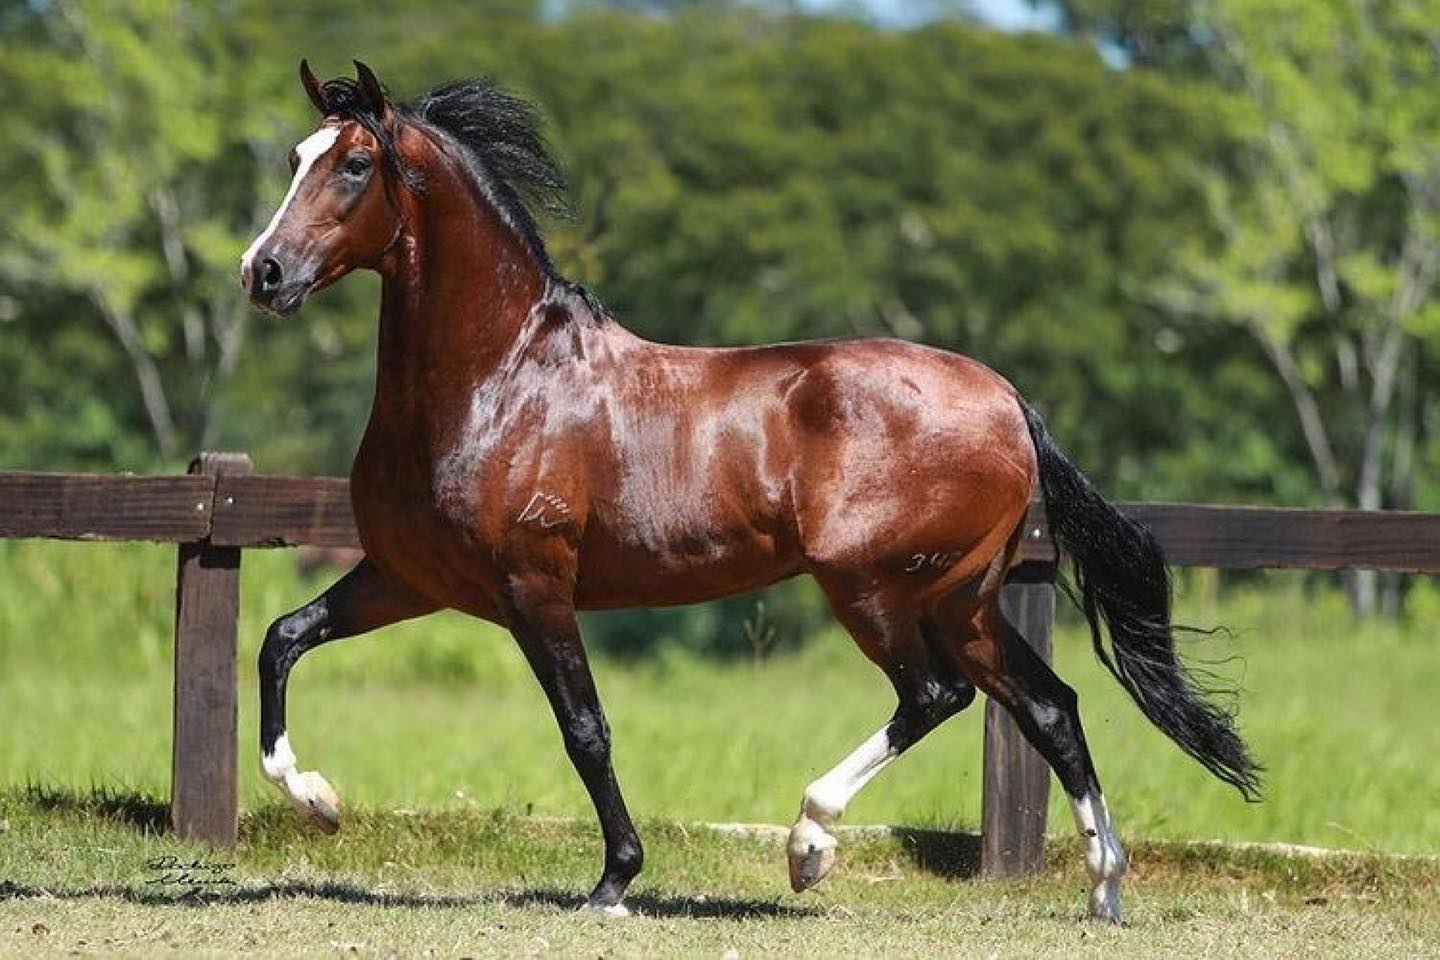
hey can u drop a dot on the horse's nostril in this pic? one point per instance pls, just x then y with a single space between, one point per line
270 275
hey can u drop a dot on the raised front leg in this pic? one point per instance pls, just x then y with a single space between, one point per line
360 601
542 618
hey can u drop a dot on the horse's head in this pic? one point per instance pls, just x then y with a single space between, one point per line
341 210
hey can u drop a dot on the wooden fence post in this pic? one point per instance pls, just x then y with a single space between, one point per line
1017 779
204 802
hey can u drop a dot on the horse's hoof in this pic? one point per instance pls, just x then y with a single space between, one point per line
320 803
605 909
811 851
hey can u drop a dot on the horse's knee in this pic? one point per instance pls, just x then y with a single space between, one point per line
587 737
272 650
286 639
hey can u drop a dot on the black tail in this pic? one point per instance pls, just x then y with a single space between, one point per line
1122 579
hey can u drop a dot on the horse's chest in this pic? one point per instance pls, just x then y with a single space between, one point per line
436 533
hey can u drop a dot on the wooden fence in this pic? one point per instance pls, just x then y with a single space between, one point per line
220 509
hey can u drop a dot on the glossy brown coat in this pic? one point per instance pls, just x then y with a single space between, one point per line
527 456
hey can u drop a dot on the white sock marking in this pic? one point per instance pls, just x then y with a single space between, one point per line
1104 857
827 798
309 150
279 761
811 847
281 769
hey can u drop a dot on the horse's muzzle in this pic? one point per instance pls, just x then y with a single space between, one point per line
272 287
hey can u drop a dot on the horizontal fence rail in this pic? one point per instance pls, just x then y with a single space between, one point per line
220 508
259 510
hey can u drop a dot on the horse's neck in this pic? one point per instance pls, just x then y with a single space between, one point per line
455 305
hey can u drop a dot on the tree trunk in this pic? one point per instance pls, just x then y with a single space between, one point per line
147 375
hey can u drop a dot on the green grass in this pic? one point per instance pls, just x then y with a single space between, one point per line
441 744
443 714
455 883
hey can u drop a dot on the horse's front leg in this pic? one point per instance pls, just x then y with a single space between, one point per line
542 618
360 601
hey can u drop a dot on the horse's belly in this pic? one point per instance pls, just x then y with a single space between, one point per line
616 574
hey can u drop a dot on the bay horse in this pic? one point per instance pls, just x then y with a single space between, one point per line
527 457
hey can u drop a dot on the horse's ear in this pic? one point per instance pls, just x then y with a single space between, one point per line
371 93
312 88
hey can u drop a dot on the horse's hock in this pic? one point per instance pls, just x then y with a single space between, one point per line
220 508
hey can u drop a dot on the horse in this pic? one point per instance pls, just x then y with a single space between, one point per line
527 457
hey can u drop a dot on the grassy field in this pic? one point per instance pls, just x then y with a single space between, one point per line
82 878
440 744
443 714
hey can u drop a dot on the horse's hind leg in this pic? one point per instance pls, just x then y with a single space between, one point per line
994 655
360 601
927 695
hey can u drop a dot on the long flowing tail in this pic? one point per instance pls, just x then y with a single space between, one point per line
1122 579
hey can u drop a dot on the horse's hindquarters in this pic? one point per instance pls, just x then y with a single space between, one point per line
913 468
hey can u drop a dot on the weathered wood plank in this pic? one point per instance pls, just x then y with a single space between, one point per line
204 793
272 511
76 506
1246 538
1036 545
1016 782
267 511
1252 538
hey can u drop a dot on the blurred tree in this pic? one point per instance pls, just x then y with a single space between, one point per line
1008 197
130 125
1327 227
741 174
1148 32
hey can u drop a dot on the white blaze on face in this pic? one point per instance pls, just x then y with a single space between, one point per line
309 150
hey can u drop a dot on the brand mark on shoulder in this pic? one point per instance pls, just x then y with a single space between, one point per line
545 510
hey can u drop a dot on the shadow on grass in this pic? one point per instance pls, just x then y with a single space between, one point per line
651 905
144 813
955 856
938 852
721 908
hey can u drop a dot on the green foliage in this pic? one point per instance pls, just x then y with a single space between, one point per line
1325 243
741 175
744 173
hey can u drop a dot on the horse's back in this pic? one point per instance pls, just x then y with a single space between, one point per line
736 467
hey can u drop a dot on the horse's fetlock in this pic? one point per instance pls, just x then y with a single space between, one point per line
628 859
822 803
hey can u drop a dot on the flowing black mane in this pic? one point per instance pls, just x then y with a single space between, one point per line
500 137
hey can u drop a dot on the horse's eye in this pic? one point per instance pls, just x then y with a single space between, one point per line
356 166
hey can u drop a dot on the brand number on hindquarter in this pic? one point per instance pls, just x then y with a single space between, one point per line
925 562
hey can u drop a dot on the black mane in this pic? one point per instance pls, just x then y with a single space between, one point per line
501 139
